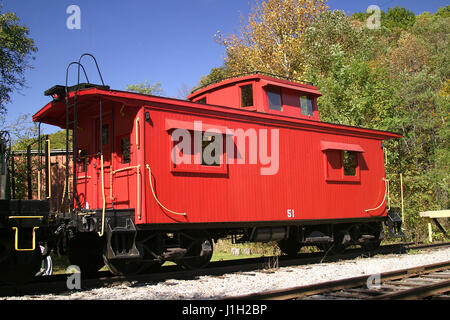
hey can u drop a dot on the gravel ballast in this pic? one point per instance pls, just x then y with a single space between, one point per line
236 284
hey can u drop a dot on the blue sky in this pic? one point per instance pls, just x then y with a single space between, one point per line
170 41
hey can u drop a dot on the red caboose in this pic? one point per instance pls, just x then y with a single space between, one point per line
157 179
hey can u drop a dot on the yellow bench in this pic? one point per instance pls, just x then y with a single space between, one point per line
433 216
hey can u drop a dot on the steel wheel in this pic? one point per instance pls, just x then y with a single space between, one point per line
199 251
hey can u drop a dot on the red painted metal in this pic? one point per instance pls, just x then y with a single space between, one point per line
307 183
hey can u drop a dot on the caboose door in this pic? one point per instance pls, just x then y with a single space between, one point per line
105 146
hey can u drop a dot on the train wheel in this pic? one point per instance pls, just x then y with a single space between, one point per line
289 246
18 267
199 250
85 250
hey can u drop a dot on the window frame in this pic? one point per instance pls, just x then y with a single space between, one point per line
308 98
334 169
198 167
120 140
239 93
274 89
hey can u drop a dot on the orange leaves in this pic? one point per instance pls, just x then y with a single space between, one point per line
271 39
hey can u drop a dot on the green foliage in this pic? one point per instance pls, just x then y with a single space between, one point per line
395 78
395 18
146 88
215 75
398 18
16 48
58 139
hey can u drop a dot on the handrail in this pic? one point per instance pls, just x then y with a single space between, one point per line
103 198
138 193
49 177
117 171
386 188
154 196
138 140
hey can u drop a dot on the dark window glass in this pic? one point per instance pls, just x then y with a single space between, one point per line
247 96
125 148
105 134
215 157
306 105
349 159
274 96
202 101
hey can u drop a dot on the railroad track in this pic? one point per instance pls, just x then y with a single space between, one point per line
413 283
57 284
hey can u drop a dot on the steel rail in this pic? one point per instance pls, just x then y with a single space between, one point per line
57 283
330 286
419 292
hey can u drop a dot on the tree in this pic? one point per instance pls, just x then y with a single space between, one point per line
16 49
398 18
271 39
331 31
146 88
395 78
215 75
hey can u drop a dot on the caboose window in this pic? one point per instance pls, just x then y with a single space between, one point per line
274 96
349 162
105 134
209 157
342 161
306 106
247 96
125 148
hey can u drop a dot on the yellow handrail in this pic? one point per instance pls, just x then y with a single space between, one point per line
386 188
49 177
39 184
154 195
16 240
137 134
16 236
103 197
138 173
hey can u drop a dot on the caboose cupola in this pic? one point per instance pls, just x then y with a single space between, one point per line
262 93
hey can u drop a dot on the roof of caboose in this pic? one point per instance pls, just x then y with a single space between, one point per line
257 76
54 113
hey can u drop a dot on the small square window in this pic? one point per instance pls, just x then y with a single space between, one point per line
125 148
274 96
349 162
306 106
247 96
